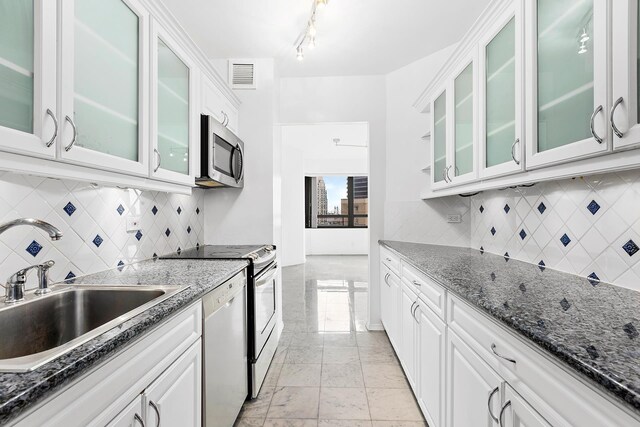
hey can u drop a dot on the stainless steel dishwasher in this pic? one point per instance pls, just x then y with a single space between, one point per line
225 373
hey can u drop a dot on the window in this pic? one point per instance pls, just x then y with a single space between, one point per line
336 201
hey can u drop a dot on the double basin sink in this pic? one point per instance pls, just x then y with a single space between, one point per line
42 328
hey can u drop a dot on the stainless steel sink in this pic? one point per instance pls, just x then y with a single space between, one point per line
43 328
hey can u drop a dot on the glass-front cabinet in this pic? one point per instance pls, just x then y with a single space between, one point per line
463 151
625 114
501 102
104 85
173 124
566 80
28 113
439 166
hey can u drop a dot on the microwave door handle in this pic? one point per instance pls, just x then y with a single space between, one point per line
241 153
233 156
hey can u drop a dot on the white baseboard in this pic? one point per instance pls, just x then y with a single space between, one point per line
375 326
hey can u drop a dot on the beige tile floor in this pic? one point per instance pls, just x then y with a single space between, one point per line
330 371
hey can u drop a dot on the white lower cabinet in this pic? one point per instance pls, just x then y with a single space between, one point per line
431 365
175 398
473 387
409 327
130 416
516 412
390 294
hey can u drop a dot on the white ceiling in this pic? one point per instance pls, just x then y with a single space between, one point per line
355 37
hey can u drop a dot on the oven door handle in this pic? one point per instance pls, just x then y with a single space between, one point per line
267 275
263 261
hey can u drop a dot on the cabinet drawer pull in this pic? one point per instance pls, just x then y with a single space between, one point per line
415 282
508 359
597 137
612 120
415 309
137 418
386 278
504 408
513 154
75 134
157 411
55 129
495 390
388 259
155 150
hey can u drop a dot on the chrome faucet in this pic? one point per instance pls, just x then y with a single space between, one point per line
14 289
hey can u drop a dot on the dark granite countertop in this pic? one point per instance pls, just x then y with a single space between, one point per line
21 391
590 327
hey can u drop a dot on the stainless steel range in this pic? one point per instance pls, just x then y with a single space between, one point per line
262 282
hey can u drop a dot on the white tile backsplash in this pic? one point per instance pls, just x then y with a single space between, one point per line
587 226
93 222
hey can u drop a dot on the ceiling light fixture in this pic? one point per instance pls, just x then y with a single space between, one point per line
309 33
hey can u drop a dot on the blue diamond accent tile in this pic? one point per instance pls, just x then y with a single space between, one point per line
542 265
167 232
189 230
482 249
565 240
631 248
197 211
592 352
506 208
154 210
155 255
120 209
630 330
179 210
493 276
493 231
97 240
593 207
139 235
481 209
197 245
120 263
522 288
523 234
179 250
565 304
70 275
506 256
541 208
593 279
34 248
69 208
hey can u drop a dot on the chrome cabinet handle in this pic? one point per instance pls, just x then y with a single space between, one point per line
504 408
415 309
446 171
75 133
388 259
55 130
137 418
495 390
612 120
155 150
225 118
415 282
597 137
513 155
386 278
508 359
157 411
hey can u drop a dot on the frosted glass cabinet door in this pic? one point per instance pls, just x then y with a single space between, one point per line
500 104
27 76
173 123
464 123
569 51
439 134
625 119
104 93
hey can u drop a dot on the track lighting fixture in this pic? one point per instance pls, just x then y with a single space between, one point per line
299 53
309 33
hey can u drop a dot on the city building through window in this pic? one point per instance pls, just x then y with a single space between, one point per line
333 201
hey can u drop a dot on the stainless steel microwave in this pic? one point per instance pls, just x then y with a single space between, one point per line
221 156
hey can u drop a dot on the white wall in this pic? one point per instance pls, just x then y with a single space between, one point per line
407 217
309 150
348 99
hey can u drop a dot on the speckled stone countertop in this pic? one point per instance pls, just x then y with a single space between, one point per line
21 391
591 327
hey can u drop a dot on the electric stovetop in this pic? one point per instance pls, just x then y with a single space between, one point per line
216 252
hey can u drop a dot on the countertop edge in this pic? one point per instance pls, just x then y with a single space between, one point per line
622 396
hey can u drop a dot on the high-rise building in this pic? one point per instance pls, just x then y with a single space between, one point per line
323 201
360 187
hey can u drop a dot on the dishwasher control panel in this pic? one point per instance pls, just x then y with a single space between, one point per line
224 293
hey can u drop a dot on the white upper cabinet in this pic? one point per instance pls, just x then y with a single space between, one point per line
28 113
463 110
625 114
104 84
216 105
566 80
175 119
439 125
501 103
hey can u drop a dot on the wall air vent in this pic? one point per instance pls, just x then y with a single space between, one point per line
242 74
